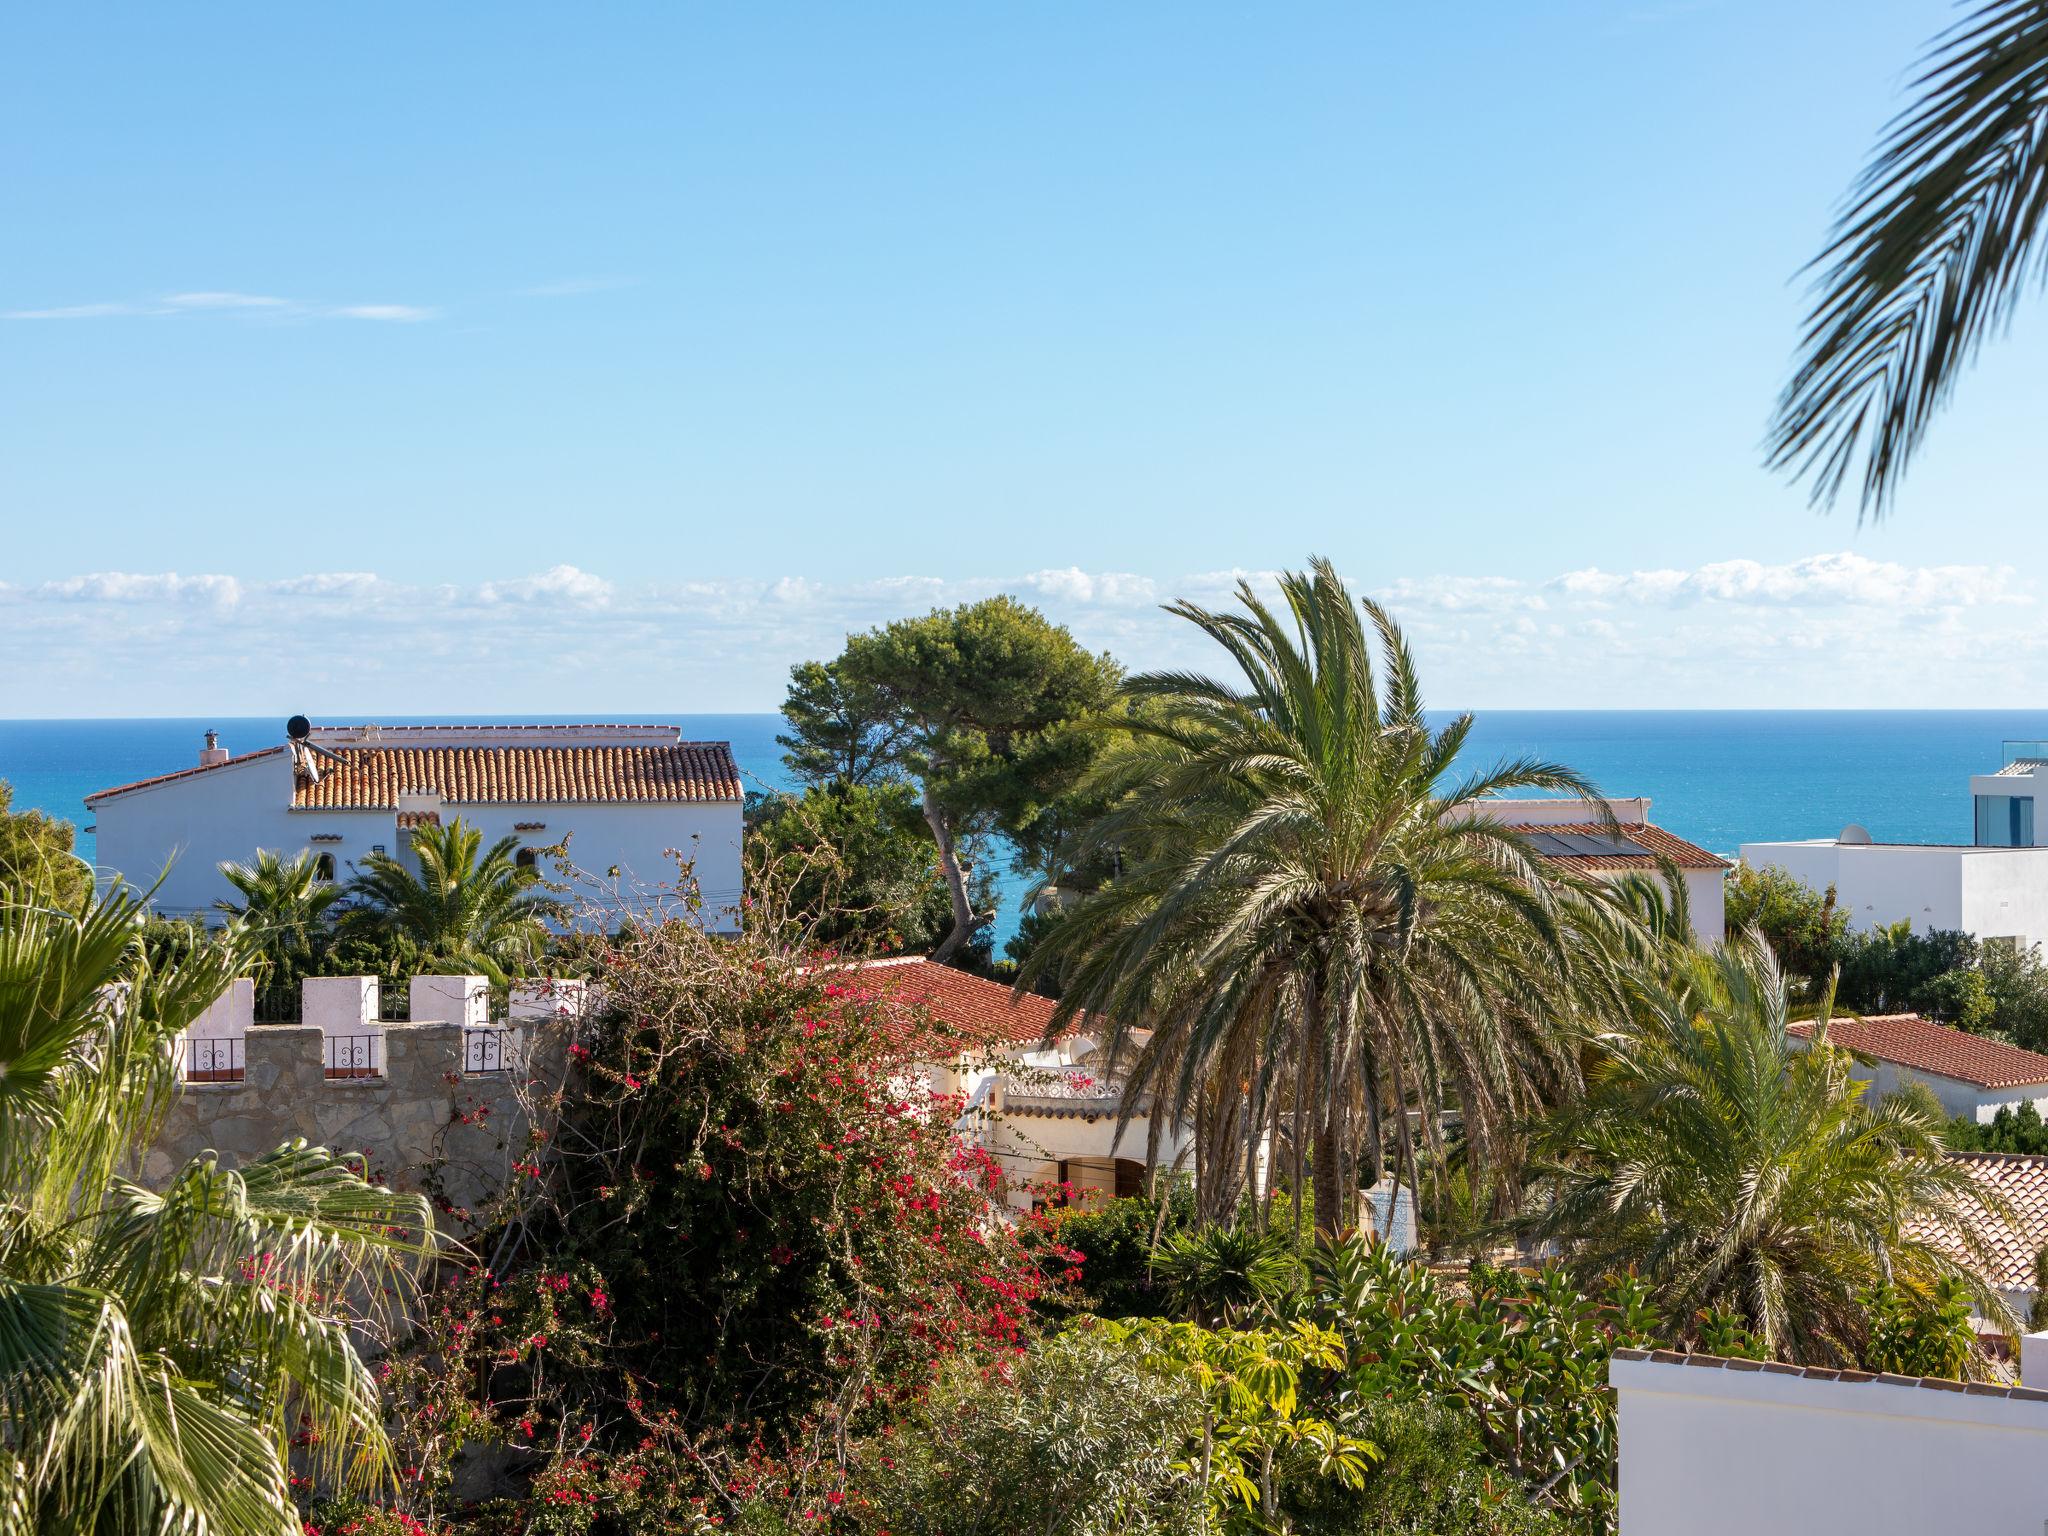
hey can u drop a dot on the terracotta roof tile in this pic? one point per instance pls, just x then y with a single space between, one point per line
407 820
949 1011
1825 1373
1654 840
372 778
1908 1040
2023 1183
183 773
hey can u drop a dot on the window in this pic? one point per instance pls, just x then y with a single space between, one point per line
527 858
323 867
2005 821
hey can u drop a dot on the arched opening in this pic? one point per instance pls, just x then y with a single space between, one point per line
323 867
527 858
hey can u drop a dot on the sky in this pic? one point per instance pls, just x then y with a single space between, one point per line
385 359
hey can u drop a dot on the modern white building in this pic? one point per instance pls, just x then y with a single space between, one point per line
1994 887
1710 1446
1574 834
631 802
1974 1078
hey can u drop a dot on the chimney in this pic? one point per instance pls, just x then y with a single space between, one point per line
213 752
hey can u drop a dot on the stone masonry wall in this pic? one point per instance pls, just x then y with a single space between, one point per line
423 1125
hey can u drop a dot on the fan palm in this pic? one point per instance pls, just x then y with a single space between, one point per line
1732 1167
160 1350
467 904
283 908
1315 923
1940 235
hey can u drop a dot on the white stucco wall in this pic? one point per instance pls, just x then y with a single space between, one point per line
194 824
1706 1451
1957 1097
1993 893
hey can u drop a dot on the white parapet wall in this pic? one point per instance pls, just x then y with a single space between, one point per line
550 999
452 1000
341 1005
228 1016
1711 1447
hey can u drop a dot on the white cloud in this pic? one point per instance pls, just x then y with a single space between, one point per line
561 583
129 587
226 301
76 312
1832 629
406 314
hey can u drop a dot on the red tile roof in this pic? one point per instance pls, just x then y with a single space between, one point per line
2023 1183
1908 1040
947 1011
1655 840
407 820
183 773
372 778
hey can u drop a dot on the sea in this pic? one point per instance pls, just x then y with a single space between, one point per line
1717 777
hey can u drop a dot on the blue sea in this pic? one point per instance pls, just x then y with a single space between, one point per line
1719 778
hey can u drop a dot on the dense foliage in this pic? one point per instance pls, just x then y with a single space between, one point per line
172 1359
1733 1169
36 859
1986 988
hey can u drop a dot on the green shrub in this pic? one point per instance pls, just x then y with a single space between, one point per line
1086 1437
1115 1238
1434 1476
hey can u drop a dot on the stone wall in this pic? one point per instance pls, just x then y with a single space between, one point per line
423 1123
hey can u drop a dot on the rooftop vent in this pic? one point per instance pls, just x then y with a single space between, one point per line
1855 833
213 752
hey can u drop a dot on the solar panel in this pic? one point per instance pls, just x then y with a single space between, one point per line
1582 845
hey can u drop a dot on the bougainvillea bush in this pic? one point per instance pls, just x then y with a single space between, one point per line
746 1236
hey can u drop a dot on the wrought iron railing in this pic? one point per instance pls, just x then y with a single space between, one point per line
211 1061
351 1056
483 1050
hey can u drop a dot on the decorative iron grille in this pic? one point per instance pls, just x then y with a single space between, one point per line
212 1061
483 1050
355 1056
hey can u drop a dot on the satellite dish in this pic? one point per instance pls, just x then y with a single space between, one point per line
298 727
1854 833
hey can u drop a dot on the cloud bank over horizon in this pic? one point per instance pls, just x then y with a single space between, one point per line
1831 630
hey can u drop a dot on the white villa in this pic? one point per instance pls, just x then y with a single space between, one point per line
1995 887
1046 1111
630 800
1973 1077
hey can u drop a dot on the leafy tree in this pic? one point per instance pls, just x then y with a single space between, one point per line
165 1354
1962 998
36 861
856 864
284 908
1891 967
1733 1169
2018 983
1941 235
1804 927
1115 1241
2015 1128
842 730
467 905
980 705
1315 918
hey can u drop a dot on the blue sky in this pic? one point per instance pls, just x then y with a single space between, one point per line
391 358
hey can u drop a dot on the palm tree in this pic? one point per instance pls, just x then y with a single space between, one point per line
158 1348
1315 923
467 905
1939 237
283 909
1732 1168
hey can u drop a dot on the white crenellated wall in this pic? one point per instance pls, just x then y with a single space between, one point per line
1709 1450
464 1000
